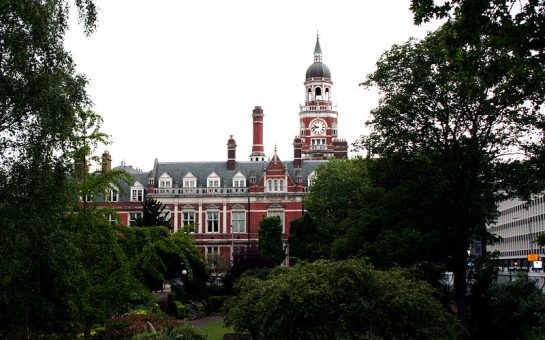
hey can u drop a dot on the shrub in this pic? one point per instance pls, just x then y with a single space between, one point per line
182 331
338 300
125 326
195 310
215 303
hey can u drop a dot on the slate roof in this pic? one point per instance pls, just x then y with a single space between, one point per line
138 175
201 170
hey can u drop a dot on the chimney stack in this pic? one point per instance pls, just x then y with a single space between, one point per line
258 151
231 153
106 162
297 145
340 148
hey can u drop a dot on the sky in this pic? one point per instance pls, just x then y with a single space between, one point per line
174 79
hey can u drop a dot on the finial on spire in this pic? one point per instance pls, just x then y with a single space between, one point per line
274 148
317 49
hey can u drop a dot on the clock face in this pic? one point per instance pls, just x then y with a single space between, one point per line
317 127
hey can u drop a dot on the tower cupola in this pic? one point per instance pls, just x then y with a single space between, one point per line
318 69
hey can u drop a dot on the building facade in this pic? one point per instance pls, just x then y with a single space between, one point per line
519 224
226 200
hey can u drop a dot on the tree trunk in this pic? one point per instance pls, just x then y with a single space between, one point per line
460 290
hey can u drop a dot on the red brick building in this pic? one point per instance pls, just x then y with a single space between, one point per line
226 200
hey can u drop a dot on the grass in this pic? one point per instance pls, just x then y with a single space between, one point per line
216 330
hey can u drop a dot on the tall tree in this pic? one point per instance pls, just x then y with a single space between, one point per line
270 242
340 192
40 98
463 110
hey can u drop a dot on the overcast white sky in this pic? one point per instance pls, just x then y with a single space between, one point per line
173 79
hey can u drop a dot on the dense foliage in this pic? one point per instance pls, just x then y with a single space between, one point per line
158 256
270 242
465 100
153 214
338 300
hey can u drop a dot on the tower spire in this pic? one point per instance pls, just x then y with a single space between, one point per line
317 50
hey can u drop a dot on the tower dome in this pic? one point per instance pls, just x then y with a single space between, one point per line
318 69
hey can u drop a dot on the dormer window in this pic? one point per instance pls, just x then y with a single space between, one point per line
112 195
190 181
239 180
137 192
165 181
311 178
213 180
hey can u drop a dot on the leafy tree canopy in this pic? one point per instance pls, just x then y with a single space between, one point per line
158 256
338 300
471 107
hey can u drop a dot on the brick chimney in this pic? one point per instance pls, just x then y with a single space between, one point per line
231 153
106 162
340 148
258 151
297 145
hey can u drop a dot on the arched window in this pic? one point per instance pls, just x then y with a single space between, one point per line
309 94
318 93
281 185
327 93
275 185
269 184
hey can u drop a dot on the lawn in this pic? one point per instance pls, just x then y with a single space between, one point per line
216 330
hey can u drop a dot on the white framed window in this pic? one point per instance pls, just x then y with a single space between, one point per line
165 181
212 222
238 221
189 181
137 195
317 141
311 178
89 198
137 192
133 217
276 185
279 213
113 195
213 180
212 253
111 218
239 180
188 217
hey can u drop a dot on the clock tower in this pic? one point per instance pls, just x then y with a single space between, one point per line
318 117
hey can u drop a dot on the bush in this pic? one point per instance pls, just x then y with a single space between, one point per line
179 309
195 310
182 331
123 327
215 303
338 300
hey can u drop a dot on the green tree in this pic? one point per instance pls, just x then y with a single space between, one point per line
338 300
153 214
270 242
40 97
157 256
458 110
341 190
306 241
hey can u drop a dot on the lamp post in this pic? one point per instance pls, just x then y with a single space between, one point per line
184 274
